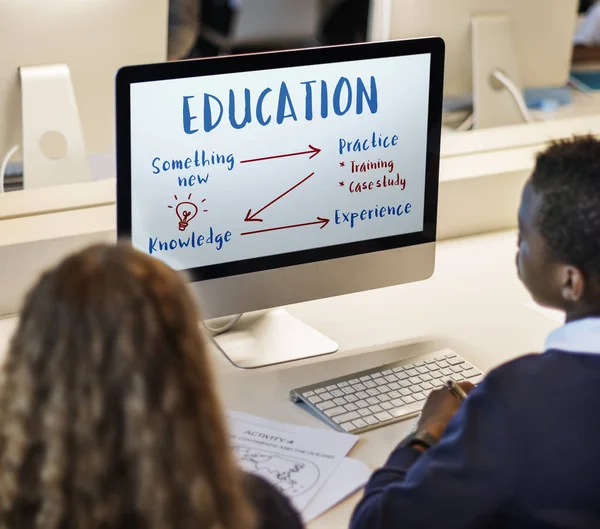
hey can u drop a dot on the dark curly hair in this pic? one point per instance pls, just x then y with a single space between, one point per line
567 179
109 414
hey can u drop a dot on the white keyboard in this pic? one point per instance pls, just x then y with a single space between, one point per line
384 395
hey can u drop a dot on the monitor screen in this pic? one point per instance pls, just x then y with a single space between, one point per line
238 164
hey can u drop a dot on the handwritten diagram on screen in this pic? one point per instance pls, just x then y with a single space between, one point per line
238 166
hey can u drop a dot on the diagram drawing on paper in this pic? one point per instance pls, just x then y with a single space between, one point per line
291 476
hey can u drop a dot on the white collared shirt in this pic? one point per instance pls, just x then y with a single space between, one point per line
580 336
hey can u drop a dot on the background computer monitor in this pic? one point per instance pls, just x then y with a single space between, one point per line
279 178
94 39
530 41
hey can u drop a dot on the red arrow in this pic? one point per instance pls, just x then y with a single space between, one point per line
319 220
251 217
313 152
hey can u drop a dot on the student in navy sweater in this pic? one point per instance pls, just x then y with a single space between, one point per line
523 451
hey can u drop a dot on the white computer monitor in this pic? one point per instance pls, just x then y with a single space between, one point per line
529 41
280 178
59 58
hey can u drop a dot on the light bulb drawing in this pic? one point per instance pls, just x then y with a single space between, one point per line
186 211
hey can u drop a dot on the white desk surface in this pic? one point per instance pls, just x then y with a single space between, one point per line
474 304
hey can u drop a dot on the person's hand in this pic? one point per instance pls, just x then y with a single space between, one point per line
439 409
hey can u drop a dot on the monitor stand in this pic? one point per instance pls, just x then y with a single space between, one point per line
53 147
493 51
265 338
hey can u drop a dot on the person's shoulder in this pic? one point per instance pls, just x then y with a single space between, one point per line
529 374
521 372
274 510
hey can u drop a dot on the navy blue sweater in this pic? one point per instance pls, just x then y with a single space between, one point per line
522 452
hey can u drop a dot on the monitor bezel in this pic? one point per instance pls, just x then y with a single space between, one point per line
432 46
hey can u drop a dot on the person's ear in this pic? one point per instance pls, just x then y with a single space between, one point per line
573 284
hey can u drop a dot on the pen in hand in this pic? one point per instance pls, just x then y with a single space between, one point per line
456 390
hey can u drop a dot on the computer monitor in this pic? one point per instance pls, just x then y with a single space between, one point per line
528 42
59 59
279 178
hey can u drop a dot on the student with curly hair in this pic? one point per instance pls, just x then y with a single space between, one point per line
522 451
109 417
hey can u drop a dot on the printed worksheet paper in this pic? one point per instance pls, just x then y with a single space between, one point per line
295 459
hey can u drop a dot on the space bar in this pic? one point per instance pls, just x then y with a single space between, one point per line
409 408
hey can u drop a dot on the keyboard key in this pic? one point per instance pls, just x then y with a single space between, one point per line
398 369
325 405
387 372
373 392
405 392
419 364
447 372
326 396
391 378
362 394
456 369
455 361
451 355
364 412
383 416
332 387
370 384
351 398
384 388
422 370
360 423
403 375
426 377
435 374
405 410
362 404
443 364
397 403
354 381
476 380
348 426
359 387
349 390
414 380
383 398
375 409
351 407
408 400
371 420
440 358
350 416
471 373
373 401
309 394
394 386
430 361
315 399
343 384
337 393
386 405
419 396
426 386
365 378
340 401
394 394
412 372
332 412
405 384
320 391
